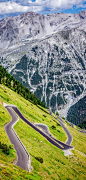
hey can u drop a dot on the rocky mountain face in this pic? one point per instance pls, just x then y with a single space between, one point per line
47 53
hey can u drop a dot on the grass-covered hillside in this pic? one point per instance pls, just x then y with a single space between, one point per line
55 165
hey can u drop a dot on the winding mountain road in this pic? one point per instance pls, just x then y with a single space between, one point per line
52 141
44 128
23 156
70 138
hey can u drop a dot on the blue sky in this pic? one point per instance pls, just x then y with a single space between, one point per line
16 7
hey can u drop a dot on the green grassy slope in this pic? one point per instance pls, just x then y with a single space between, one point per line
55 165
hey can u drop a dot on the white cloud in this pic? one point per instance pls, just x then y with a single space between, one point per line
11 7
41 6
58 4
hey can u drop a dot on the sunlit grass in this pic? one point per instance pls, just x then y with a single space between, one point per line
79 139
55 165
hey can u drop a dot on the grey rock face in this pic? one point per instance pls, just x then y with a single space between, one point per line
48 55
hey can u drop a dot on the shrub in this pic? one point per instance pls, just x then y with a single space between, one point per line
58 130
63 118
57 114
53 127
39 159
5 148
44 115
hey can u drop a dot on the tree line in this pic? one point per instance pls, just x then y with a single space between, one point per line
82 125
9 81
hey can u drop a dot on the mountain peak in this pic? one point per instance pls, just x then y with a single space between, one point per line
83 14
36 26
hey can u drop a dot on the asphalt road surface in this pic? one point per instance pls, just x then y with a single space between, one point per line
44 127
22 154
70 138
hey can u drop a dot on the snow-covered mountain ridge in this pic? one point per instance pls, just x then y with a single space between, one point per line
29 26
48 54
